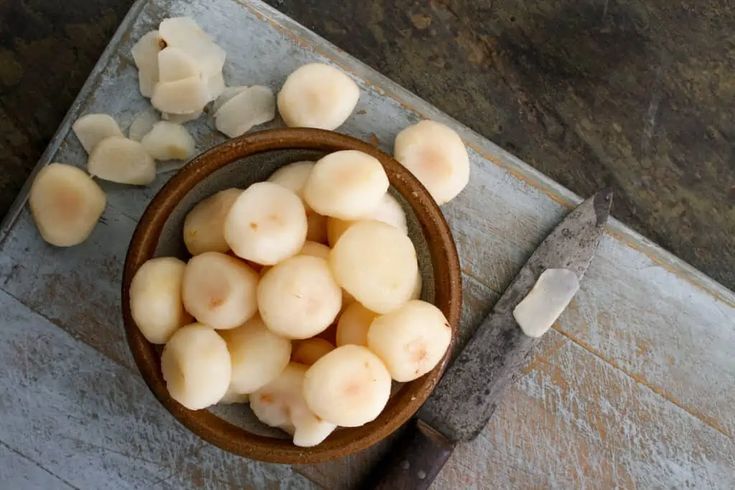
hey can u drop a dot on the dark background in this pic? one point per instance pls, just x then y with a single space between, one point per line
639 95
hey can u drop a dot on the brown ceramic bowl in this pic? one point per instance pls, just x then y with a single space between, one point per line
238 163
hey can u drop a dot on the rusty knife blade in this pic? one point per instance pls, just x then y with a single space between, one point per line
471 389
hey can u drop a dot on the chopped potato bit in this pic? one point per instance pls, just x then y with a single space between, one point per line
252 106
145 55
142 124
204 226
176 64
169 141
215 85
93 128
188 95
226 94
550 296
122 160
185 33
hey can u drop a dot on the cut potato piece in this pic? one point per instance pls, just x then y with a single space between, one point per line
376 263
219 290
65 203
204 225
293 176
176 64
122 160
226 94
252 106
169 141
188 95
349 386
145 55
196 366
258 356
142 124
550 296
309 351
93 128
346 184
155 299
315 250
410 340
181 118
298 298
388 211
317 96
437 157
266 224
185 33
353 325
215 85
281 404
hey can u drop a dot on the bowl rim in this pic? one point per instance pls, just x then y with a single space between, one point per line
235 439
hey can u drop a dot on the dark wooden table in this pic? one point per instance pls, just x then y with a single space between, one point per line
639 95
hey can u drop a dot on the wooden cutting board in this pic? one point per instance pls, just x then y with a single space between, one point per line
633 387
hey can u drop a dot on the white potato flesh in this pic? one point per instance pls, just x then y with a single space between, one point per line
410 340
317 96
169 141
145 55
346 184
196 366
219 290
315 249
436 155
258 356
185 33
226 94
309 351
293 176
388 211
93 128
215 85
155 299
122 160
204 225
281 404
548 298
353 325
349 386
188 95
176 64
252 106
142 124
266 224
65 203
298 297
181 118
376 263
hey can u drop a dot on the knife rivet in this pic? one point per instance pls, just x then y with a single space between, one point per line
405 464
421 474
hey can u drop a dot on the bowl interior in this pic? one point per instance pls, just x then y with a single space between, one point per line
159 233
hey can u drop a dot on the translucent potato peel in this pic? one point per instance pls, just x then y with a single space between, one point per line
219 290
196 366
90 129
353 325
436 155
410 340
204 225
281 404
155 299
317 96
66 204
250 107
348 387
309 351
548 298
346 184
145 55
169 141
376 263
122 160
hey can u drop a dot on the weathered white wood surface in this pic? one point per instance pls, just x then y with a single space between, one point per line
633 388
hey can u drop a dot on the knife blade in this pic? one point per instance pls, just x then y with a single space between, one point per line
470 390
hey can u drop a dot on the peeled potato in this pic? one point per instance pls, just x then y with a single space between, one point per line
185 33
309 351
258 356
219 290
196 366
184 96
175 64
376 263
145 55
349 386
226 94
66 204
437 157
298 298
388 211
353 325
317 96
122 160
142 124
410 340
281 404
250 107
93 128
169 141
266 224
293 176
204 225
346 184
155 299
315 250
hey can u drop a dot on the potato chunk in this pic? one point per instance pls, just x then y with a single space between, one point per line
250 107
122 160
93 128
204 225
169 141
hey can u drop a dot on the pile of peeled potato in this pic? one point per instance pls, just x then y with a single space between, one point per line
301 295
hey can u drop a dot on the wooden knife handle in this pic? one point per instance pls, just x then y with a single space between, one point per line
413 461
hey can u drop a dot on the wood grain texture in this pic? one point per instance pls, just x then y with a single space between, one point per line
622 392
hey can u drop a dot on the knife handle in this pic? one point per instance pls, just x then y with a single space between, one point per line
413 461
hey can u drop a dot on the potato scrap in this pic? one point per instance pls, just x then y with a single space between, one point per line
93 128
169 141
122 160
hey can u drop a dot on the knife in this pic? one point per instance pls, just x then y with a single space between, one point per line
471 389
